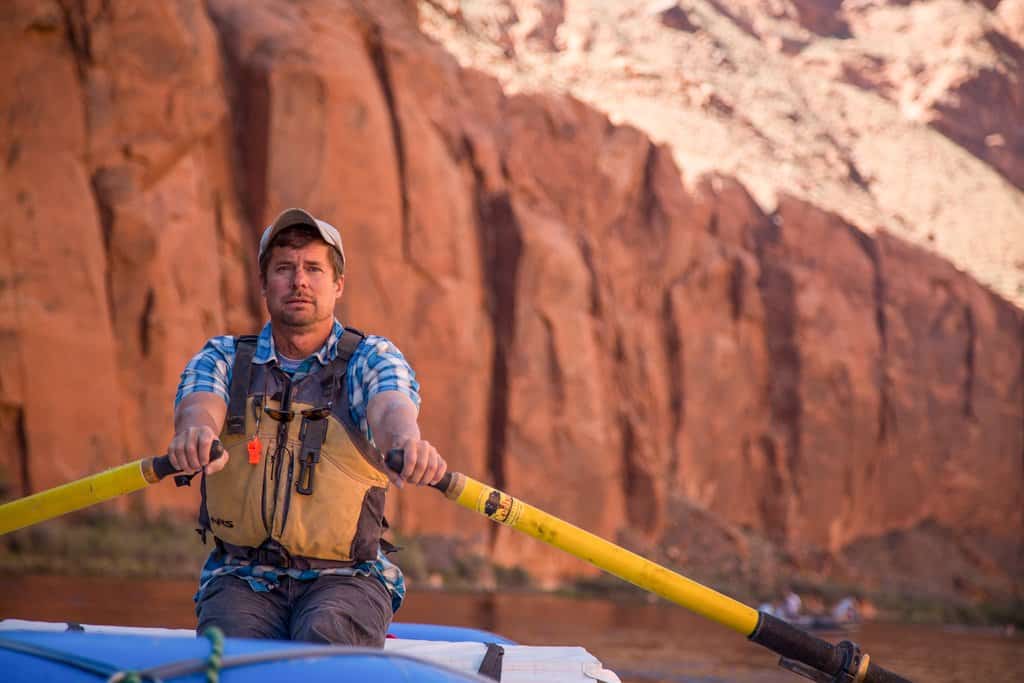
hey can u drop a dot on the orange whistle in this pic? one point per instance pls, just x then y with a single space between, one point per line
255 448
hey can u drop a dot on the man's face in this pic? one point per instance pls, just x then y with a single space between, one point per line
300 287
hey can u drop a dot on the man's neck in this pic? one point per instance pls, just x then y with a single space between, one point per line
299 343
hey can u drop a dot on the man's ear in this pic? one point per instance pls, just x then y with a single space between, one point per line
340 285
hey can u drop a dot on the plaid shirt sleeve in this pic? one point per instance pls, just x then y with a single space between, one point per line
376 366
209 370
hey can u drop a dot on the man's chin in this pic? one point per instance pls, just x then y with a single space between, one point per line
296 319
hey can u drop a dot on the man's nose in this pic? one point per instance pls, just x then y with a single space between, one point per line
300 278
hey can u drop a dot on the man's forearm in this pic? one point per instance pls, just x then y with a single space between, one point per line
393 420
198 411
197 422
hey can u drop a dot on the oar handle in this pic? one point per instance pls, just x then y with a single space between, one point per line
162 466
821 656
395 460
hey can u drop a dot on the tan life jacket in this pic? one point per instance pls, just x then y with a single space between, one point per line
318 487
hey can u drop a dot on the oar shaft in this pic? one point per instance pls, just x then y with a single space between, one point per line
842 662
90 490
74 495
626 565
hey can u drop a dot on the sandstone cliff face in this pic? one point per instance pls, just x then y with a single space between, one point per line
44 185
618 347
121 186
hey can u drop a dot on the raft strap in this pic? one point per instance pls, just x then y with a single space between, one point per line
114 675
84 663
491 665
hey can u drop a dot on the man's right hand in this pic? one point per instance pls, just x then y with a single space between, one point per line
197 422
190 451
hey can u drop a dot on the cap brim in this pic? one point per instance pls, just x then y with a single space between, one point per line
292 217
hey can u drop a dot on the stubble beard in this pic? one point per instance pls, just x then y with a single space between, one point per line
300 319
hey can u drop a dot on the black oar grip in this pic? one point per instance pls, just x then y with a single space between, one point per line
796 644
162 466
395 460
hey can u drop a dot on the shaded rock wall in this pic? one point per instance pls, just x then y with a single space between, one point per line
590 333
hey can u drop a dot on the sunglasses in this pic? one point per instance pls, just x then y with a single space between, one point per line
289 415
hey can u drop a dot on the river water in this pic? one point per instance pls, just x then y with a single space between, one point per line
643 643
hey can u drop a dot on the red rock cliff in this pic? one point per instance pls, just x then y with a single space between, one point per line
620 348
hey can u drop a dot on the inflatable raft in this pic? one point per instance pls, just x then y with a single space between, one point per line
41 651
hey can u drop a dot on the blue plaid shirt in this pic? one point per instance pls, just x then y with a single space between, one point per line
377 365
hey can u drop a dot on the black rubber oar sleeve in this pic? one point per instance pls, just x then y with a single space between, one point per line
793 643
162 464
395 460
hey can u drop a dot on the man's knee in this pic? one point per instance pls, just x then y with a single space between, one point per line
338 629
240 612
344 611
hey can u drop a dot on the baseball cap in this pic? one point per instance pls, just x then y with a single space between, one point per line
293 217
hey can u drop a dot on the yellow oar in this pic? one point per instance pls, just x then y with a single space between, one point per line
90 490
801 652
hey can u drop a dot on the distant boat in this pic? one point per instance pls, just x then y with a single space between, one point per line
844 615
816 622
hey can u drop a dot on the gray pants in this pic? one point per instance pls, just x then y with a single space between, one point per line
340 610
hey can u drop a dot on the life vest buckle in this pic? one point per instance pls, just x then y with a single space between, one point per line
312 433
307 468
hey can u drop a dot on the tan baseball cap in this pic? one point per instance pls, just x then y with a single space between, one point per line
292 217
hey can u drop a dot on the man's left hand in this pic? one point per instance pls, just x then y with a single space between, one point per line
423 464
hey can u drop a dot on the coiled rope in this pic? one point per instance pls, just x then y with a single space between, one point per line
216 658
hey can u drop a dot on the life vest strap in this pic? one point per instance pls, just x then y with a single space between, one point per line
241 371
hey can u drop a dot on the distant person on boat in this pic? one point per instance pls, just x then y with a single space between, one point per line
791 605
845 611
304 411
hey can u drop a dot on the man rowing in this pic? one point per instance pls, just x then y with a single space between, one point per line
304 411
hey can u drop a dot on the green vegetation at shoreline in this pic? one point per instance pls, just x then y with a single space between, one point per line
168 547
104 544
